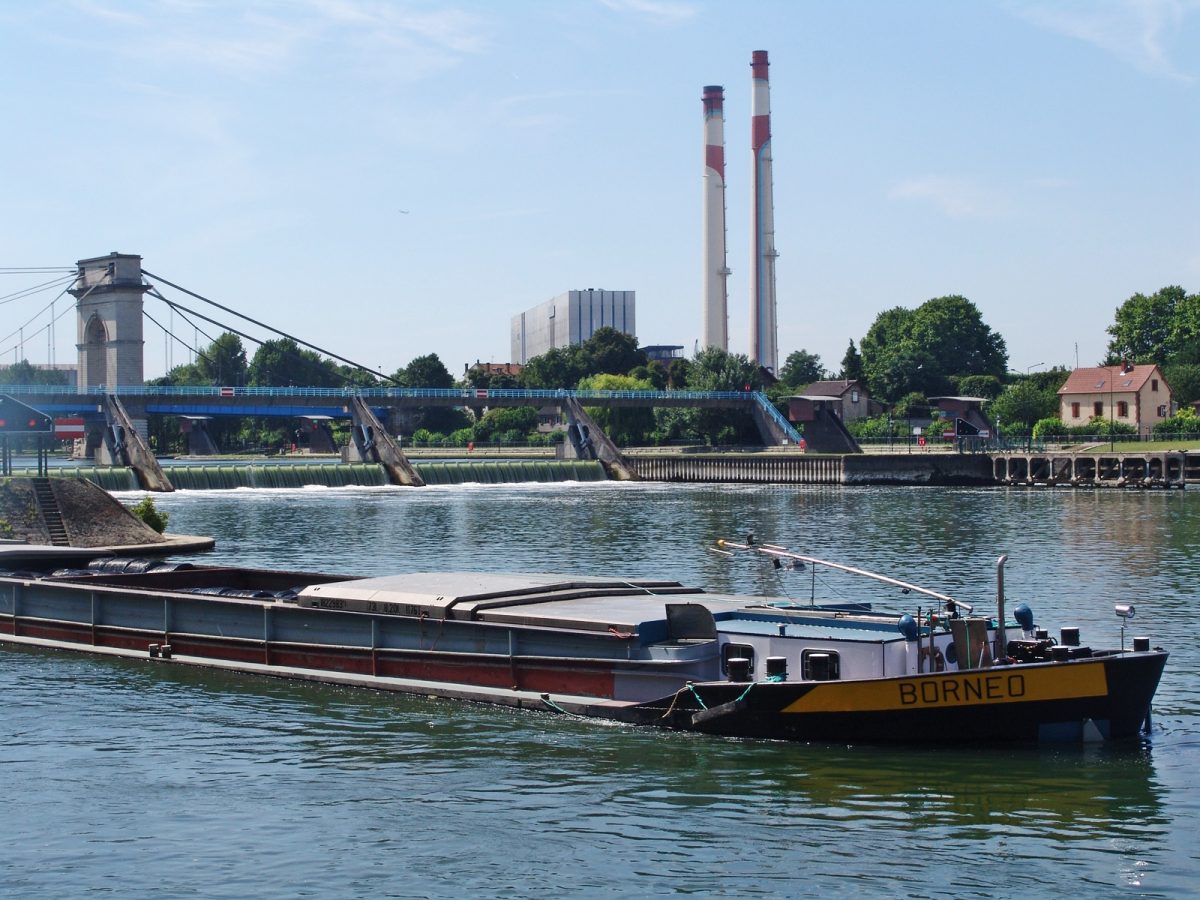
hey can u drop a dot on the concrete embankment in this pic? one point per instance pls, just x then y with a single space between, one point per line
918 469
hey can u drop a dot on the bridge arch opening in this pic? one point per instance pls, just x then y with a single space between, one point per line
95 355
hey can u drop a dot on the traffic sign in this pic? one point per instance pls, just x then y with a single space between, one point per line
69 429
17 418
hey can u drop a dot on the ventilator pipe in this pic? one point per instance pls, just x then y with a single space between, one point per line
1001 637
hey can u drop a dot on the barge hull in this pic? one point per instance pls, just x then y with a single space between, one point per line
1101 699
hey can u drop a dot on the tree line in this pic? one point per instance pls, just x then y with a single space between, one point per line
941 348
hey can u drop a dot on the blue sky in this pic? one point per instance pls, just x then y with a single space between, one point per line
389 178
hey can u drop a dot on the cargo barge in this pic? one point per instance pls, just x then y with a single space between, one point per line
646 652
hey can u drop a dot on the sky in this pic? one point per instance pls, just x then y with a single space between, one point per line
391 178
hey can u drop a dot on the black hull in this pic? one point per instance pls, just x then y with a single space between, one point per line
1106 698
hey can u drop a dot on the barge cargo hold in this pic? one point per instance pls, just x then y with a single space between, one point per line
640 651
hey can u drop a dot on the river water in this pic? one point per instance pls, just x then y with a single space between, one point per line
122 778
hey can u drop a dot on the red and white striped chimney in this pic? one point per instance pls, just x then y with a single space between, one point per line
764 347
716 271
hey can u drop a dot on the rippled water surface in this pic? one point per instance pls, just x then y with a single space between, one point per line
124 778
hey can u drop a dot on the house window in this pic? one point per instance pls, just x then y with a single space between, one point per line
825 667
1162 411
1074 410
854 396
1122 409
1098 408
1154 384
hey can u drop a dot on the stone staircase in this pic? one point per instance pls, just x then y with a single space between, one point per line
51 514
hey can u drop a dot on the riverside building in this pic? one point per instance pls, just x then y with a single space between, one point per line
570 318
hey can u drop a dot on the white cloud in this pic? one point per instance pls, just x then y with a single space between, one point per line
1138 32
958 198
665 12
268 35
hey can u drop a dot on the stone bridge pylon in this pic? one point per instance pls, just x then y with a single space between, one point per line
108 302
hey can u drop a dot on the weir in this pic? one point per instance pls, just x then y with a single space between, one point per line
218 477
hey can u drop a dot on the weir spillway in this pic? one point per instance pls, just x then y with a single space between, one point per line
229 476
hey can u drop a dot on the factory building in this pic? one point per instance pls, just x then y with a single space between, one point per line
568 319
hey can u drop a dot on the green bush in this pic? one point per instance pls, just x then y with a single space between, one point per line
148 513
1102 427
1052 427
1183 422
874 427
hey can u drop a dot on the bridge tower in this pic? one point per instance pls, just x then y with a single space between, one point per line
108 301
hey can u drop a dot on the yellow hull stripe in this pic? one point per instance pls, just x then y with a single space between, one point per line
982 687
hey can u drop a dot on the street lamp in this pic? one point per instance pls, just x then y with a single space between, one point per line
1112 435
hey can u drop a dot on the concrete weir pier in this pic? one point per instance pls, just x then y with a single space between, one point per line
1118 468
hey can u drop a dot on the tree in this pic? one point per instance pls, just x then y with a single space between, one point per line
24 372
611 352
714 369
506 423
559 367
801 368
902 370
652 374
952 330
1162 328
1142 329
986 386
678 373
852 364
426 371
223 361
1023 403
625 426
1184 379
281 363
922 349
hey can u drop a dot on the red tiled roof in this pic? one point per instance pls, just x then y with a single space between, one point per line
1105 379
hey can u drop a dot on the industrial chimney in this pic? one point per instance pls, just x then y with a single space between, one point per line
716 272
763 328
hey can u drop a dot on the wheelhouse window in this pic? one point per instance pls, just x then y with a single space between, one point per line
820 665
736 651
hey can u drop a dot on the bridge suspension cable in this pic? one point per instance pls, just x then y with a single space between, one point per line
253 321
36 289
48 328
36 270
200 353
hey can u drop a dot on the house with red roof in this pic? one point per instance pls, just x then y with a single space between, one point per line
1134 395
